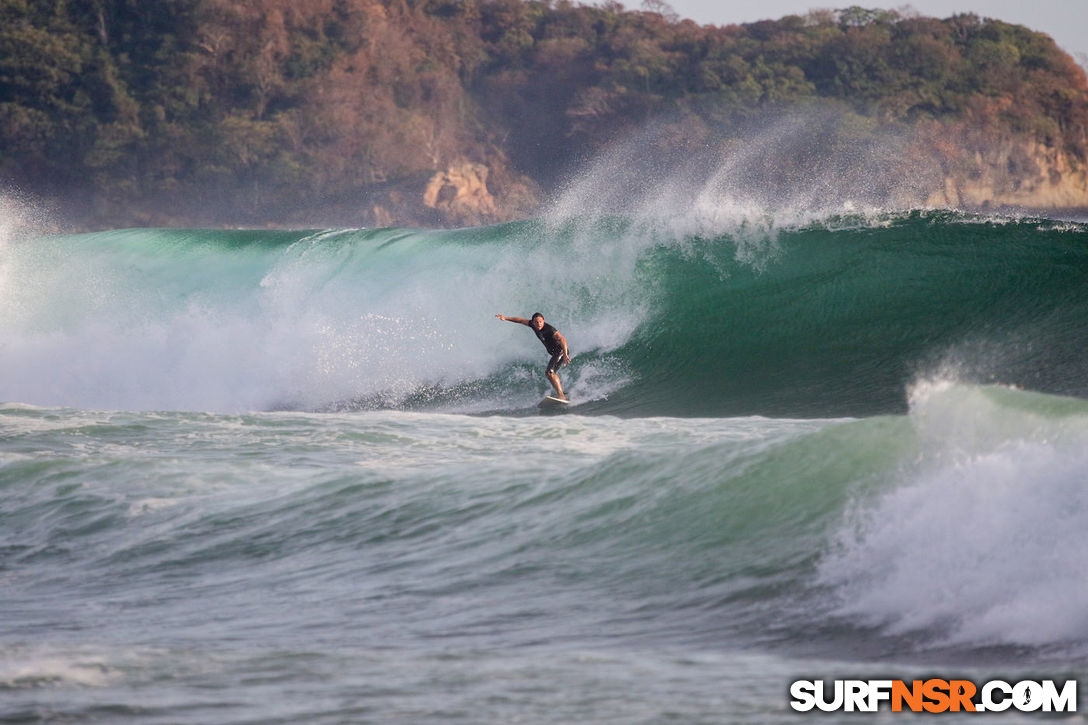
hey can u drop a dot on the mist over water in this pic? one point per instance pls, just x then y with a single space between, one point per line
779 171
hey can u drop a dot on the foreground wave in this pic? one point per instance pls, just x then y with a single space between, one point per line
958 528
822 318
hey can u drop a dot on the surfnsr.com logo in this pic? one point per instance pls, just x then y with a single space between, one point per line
933 695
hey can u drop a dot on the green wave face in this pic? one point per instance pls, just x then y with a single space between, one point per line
827 318
841 321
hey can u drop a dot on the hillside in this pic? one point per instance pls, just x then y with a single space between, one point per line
455 112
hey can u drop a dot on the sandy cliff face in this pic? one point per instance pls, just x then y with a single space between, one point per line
471 194
461 195
464 193
1010 173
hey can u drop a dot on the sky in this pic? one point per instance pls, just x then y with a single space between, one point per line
1064 20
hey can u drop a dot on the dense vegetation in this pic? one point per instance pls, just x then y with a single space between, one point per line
242 110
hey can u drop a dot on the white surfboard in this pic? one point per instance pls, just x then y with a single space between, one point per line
550 403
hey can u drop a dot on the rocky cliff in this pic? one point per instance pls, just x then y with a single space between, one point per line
1009 173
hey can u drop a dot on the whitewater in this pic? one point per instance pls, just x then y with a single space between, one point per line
299 476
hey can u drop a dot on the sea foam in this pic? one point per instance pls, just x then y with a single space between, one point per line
980 540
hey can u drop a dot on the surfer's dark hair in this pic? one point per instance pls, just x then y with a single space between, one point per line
536 315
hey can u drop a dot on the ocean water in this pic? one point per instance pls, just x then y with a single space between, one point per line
300 476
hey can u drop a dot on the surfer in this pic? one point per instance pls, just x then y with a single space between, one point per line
555 344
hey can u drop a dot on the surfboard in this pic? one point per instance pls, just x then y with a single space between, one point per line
550 403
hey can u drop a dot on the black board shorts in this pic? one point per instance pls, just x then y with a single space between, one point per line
555 363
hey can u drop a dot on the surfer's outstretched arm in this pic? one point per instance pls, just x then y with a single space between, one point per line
519 320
